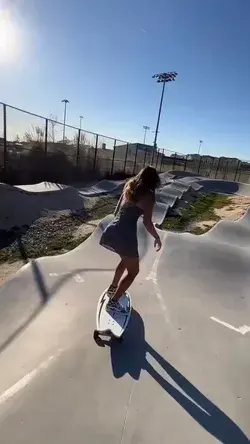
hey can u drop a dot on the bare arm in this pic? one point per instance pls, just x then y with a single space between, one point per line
147 217
118 205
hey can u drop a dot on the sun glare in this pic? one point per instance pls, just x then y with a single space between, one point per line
9 38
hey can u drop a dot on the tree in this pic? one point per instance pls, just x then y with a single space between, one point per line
51 127
36 135
84 141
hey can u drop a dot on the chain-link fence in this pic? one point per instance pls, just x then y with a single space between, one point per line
35 148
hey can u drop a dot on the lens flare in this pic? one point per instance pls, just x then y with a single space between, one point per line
9 37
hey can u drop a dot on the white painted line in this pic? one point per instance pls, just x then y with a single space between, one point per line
59 274
78 278
152 276
242 330
23 382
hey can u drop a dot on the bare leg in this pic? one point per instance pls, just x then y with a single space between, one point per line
132 265
121 267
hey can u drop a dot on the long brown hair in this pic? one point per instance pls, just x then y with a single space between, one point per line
145 182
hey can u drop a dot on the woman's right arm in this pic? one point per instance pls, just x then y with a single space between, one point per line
148 205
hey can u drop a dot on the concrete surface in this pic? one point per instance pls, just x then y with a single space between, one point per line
182 373
21 205
216 185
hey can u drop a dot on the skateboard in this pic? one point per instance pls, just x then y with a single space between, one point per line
112 324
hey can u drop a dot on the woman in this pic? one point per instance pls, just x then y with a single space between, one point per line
120 235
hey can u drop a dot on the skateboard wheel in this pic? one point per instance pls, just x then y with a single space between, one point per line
96 335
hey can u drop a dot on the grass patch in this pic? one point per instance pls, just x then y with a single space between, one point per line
201 210
200 230
43 239
104 205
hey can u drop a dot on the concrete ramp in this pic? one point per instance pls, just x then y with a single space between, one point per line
230 232
176 365
41 187
95 189
224 186
182 373
19 207
34 285
22 205
245 220
215 185
102 188
160 212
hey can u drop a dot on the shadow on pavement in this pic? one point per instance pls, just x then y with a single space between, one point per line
7 237
131 357
45 293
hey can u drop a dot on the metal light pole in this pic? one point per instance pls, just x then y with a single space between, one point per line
162 78
81 117
64 118
146 128
200 143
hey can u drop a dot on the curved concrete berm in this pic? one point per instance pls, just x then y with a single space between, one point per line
216 185
182 372
21 205
95 189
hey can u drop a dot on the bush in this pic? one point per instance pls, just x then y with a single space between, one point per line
32 166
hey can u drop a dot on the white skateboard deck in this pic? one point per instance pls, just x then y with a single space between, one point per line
114 323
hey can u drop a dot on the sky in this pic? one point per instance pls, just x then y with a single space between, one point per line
101 56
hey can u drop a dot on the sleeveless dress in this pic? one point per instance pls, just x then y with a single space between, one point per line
120 235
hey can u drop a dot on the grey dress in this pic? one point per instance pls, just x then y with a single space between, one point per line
120 235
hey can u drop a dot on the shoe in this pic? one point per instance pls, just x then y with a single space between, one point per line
115 307
111 291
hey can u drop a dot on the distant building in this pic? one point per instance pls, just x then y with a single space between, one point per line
207 159
132 148
229 160
178 156
210 159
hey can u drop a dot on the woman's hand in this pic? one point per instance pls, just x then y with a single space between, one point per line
157 243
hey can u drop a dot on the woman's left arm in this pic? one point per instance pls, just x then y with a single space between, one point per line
118 205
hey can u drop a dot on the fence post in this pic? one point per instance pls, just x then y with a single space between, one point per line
211 168
162 157
237 169
185 163
113 158
135 159
78 148
225 172
239 173
145 157
125 160
174 160
152 158
217 169
95 155
158 152
5 160
199 165
46 138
